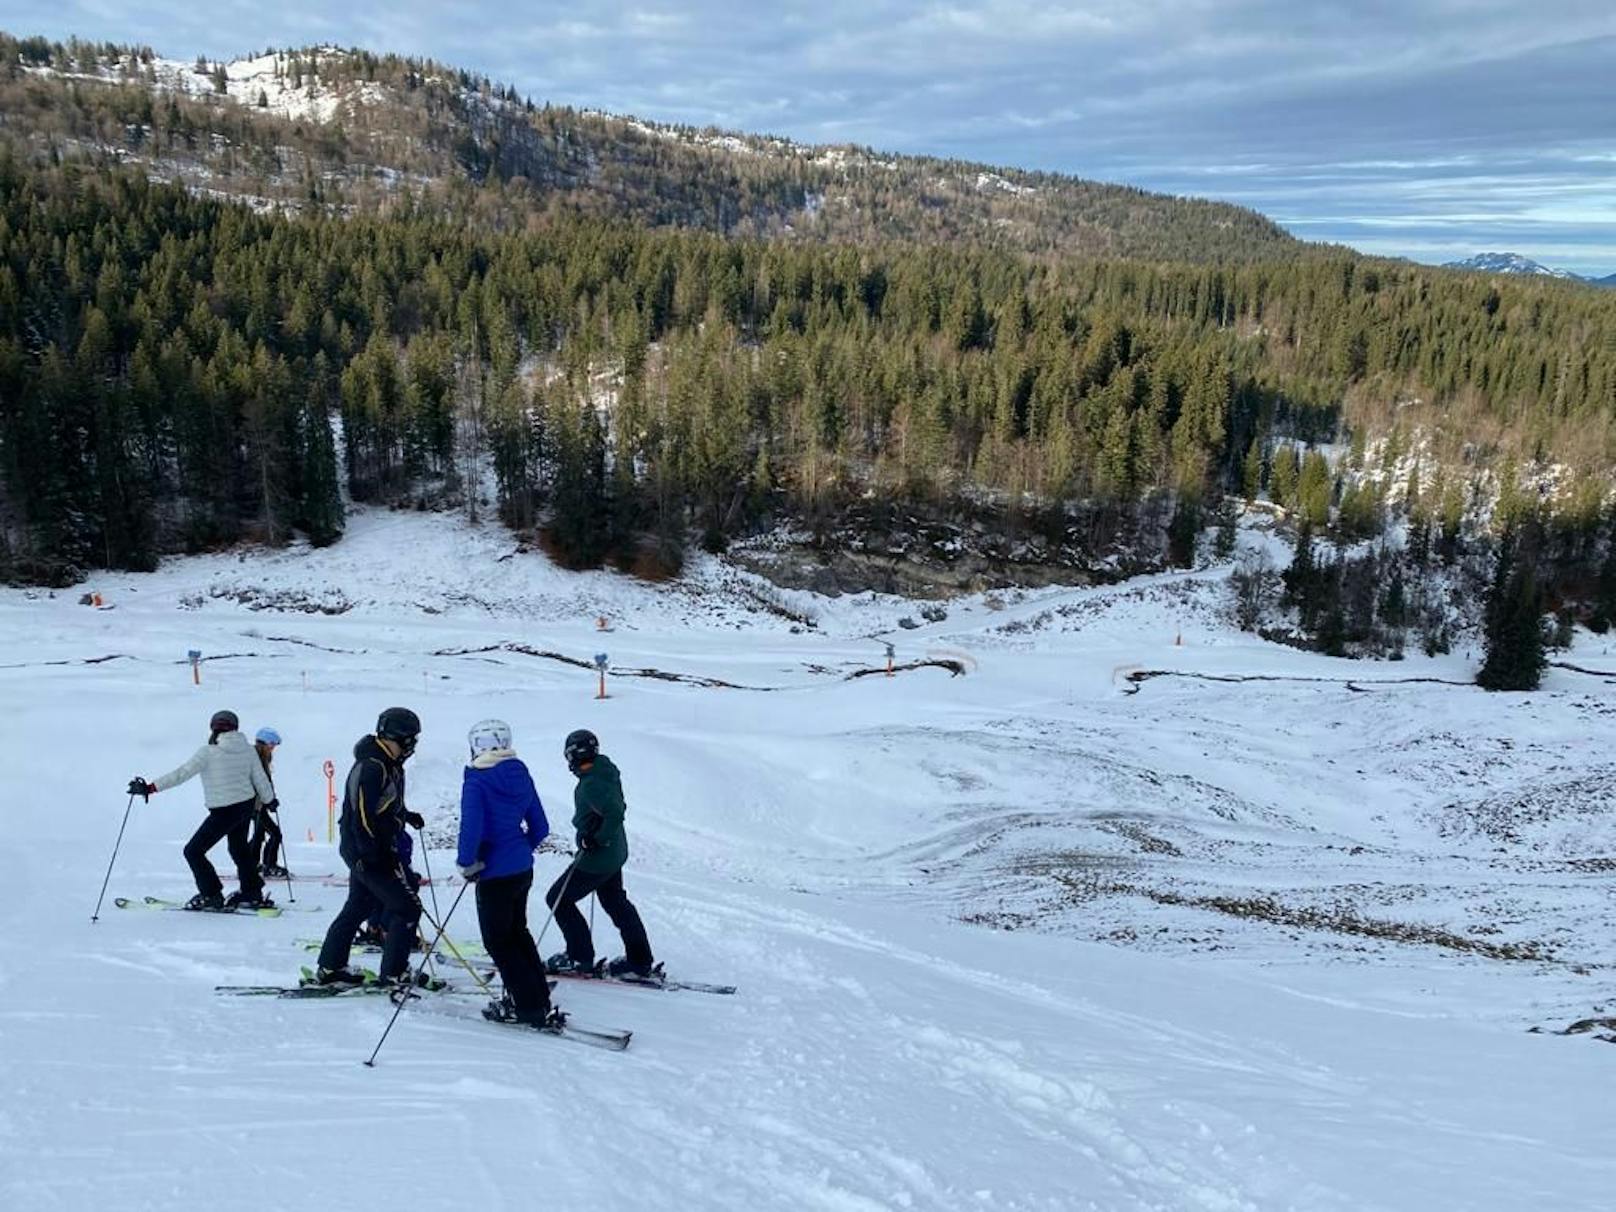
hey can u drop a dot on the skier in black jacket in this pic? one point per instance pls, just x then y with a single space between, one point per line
373 814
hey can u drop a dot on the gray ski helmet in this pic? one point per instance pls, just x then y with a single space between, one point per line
489 734
401 726
224 721
580 748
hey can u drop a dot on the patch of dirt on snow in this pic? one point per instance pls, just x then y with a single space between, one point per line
1565 814
1340 918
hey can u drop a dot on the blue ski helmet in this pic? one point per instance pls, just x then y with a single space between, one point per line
268 736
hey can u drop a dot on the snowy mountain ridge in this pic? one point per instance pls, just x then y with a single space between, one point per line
1515 263
260 81
248 129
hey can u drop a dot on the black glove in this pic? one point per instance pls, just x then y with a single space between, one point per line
587 841
272 805
142 788
414 819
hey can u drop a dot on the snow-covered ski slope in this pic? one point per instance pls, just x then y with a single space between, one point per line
1017 939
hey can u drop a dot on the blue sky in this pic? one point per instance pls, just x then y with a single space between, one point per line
1422 128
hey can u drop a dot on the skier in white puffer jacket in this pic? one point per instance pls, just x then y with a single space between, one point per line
233 784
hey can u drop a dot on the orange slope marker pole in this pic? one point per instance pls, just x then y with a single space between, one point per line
330 801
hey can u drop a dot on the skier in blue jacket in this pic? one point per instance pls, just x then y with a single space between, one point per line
501 824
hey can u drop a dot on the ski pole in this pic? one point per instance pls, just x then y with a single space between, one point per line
464 962
404 995
96 916
281 838
560 896
426 861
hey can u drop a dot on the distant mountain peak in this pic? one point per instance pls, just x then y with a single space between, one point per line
1514 263
1508 263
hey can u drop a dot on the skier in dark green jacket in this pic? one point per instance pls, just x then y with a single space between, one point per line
597 821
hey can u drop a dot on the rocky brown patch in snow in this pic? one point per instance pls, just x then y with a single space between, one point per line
289 600
1554 812
1337 919
1600 1028
967 546
1139 836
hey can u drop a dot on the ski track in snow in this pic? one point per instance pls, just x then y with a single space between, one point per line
841 851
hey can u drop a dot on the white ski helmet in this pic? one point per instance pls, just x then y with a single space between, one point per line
489 734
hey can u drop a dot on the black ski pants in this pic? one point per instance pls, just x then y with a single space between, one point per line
374 893
233 823
608 889
266 839
502 916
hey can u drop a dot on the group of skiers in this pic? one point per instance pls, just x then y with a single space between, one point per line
502 823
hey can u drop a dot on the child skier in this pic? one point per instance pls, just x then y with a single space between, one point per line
267 838
233 785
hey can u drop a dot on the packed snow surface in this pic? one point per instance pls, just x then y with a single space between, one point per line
1036 936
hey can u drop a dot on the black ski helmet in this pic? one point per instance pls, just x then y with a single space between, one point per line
223 721
401 726
580 748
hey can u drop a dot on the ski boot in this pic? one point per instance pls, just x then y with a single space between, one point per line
421 980
240 900
623 970
562 964
272 871
345 977
504 1010
399 989
500 1010
206 902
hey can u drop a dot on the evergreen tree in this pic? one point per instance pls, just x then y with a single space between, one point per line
1182 532
1251 471
1283 477
513 440
1332 632
321 513
580 528
1515 651
1301 578
1604 611
1314 489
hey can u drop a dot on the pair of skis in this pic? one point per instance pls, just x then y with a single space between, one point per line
154 902
658 979
594 1037
310 987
